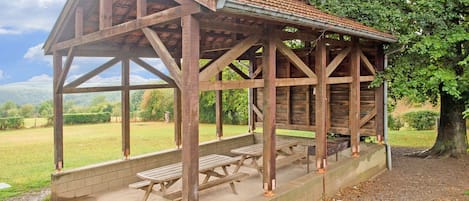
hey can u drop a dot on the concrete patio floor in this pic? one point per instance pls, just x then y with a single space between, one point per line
249 188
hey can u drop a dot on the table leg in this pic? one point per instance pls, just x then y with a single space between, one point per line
147 193
232 185
240 163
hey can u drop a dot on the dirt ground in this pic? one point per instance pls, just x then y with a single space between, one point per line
414 179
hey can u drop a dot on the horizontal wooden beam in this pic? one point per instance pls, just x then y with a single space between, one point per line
228 57
339 80
336 61
154 71
114 88
367 78
92 73
164 55
294 59
117 30
253 83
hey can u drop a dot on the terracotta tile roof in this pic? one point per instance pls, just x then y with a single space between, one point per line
301 9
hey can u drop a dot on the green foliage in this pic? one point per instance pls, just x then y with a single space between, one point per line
421 120
235 103
395 123
11 123
155 103
87 118
466 192
27 110
46 109
9 109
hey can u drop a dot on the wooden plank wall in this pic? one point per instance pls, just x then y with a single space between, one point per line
302 100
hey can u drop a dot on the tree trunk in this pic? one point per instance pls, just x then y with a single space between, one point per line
451 139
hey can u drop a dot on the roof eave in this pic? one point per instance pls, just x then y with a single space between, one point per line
253 10
69 6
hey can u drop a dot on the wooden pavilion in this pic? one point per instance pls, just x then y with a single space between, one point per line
322 86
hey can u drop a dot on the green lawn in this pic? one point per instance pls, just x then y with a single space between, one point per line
26 159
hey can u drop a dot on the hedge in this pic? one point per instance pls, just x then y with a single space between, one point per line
394 123
11 123
421 120
87 118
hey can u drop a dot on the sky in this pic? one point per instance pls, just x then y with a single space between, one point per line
24 27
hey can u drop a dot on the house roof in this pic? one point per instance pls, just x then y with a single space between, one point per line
301 12
297 12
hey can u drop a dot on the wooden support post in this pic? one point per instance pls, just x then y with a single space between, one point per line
379 98
219 108
321 106
58 115
354 113
269 75
289 107
177 114
252 93
190 108
125 96
105 14
78 22
141 8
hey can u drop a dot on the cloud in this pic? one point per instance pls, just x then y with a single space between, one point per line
40 78
1 75
21 16
36 53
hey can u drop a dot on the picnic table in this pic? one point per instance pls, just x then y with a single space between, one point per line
254 152
167 176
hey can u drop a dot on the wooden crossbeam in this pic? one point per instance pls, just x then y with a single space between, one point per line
65 70
367 63
337 60
67 90
368 117
367 78
257 72
228 57
238 71
153 70
92 73
164 55
294 59
117 30
253 83
258 112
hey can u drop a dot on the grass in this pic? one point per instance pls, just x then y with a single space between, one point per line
27 154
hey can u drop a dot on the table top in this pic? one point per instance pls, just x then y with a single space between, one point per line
174 171
257 149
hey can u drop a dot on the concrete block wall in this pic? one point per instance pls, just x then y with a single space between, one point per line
87 180
348 172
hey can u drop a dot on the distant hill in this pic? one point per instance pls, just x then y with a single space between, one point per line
37 92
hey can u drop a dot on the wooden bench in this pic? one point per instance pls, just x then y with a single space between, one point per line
333 147
255 151
167 176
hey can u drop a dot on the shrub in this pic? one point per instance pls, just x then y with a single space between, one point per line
394 123
87 118
11 123
421 120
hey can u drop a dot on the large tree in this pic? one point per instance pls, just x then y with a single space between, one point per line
432 61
